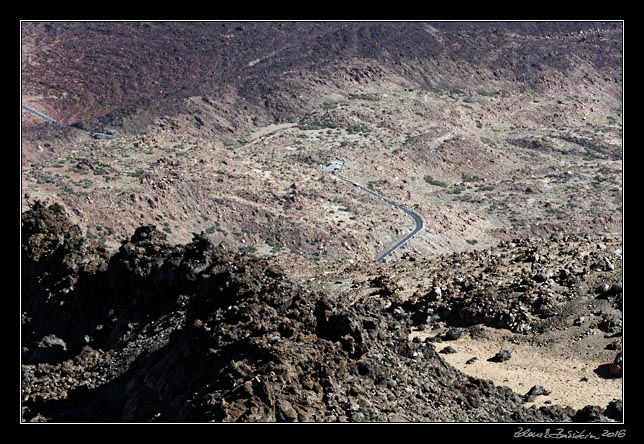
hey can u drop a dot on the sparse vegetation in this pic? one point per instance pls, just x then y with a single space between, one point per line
488 93
468 178
374 185
430 180
357 129
488 142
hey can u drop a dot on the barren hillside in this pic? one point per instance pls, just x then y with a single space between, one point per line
206 140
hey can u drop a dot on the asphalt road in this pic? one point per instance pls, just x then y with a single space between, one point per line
38 114
420 223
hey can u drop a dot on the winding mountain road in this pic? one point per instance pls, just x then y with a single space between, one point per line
420 223
38 114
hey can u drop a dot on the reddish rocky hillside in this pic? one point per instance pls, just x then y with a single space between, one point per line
83 71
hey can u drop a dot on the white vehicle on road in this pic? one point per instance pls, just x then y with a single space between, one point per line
333 167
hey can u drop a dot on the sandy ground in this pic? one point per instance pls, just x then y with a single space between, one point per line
557 372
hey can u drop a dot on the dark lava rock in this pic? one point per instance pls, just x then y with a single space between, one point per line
501 356
64 280
606 290
472 360
452 334
608 324
50 349
196 333
615 345
590 413
542 275
616 368
536 390
448 350
614 410
607 265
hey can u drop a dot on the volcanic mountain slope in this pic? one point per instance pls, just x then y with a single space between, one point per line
200 333
86 70
490 131
505 137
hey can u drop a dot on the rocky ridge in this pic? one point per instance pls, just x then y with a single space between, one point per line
198 332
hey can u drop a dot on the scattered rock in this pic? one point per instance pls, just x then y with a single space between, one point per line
590 413
616 368
51 341
501 356
608 265
615 345
607 324
452 334
50 349
536 390
448 350
247 343
614 410
543 275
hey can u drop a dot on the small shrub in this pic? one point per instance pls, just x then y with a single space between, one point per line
488 93
430 180
167 229
472 241
489 142
468 178
357 128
